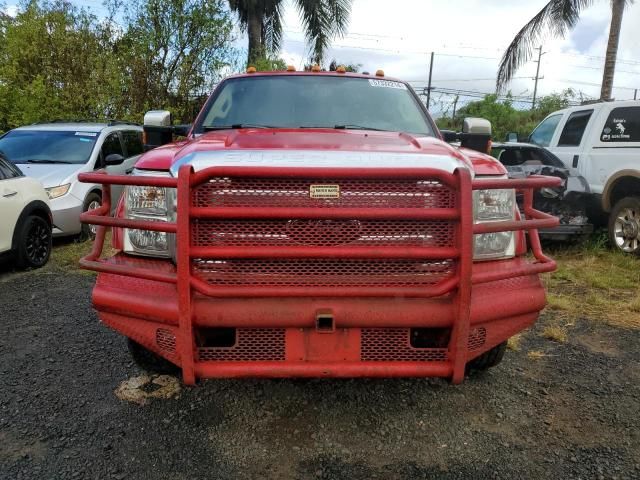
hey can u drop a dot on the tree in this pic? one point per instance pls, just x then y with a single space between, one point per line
262 21
504 117
171 53
557 17
53 65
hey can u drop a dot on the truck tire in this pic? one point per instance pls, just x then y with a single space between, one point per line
33 242
624 225
88 232
150 361
488 359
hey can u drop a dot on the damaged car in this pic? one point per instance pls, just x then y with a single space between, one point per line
568 202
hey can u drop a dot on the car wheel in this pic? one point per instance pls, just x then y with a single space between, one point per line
624 225
150 361
92 202
34 242
488 359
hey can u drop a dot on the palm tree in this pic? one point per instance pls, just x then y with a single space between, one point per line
262 20
557 17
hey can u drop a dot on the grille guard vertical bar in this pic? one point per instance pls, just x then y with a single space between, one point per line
186 339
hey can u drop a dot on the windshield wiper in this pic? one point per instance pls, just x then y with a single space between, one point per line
235 126
345 127
36 160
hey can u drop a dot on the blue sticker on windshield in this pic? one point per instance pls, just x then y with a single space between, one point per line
86 140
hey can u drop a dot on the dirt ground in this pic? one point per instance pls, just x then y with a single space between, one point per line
550 410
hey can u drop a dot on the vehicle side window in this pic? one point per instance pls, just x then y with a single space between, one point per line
111 145
543 133
573 130
132 142
623 125
8 170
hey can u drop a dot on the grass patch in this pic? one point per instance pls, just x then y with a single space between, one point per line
536 355
514 342
66 254
595 282
555 333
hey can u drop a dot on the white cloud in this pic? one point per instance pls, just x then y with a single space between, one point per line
398 40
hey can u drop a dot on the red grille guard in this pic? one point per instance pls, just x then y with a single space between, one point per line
462 252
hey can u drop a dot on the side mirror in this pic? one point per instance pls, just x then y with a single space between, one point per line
449 136
182 130
512 137
157 129
113 159
476 134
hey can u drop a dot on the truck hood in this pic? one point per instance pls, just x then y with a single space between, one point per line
51 174
314 148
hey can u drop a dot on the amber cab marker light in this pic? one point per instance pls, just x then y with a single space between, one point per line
379 73
341 69
251 69
315 68
291 68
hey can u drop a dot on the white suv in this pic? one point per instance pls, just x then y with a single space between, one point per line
55 153
25 229
602 142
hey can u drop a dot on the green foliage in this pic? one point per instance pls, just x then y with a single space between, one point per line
269 63
60 61
504 117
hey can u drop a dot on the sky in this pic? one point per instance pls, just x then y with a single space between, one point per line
467 37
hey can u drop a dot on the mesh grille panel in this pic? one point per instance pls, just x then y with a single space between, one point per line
322 233
392 344
477 337
252 345
166 340
315 272
294 192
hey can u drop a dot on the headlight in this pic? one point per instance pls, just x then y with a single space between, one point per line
60 190
151 204
494 206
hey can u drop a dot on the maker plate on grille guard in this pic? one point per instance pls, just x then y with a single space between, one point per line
294 192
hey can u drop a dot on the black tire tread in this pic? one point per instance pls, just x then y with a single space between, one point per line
622 203
85 233
22 260
489 359
150 361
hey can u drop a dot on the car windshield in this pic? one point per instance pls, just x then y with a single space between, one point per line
47 146
315 101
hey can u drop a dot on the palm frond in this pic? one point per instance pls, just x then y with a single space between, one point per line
322 20
272 26
556 17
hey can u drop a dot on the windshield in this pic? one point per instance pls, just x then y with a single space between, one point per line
44 146
301 101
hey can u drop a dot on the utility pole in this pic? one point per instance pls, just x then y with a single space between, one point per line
635 94
455 103
535 86
429 85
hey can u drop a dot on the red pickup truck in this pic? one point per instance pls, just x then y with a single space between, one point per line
316 224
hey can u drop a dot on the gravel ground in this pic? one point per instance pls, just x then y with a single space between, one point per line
572 413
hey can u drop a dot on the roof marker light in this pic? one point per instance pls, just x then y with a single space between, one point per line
341 69
291 68
315 68
251 69
379 73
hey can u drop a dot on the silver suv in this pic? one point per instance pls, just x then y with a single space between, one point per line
55 153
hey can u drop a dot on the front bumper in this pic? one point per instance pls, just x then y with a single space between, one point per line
279 337
308 308
66 212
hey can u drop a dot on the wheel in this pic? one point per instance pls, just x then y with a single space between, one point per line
624 225
34 242
92 202
150 361
488 359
